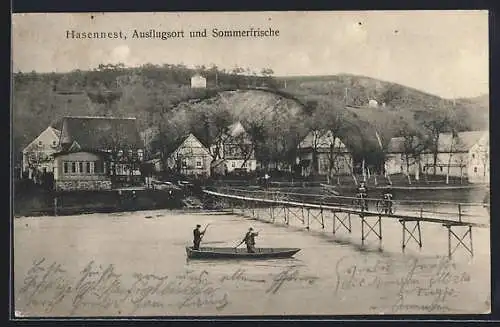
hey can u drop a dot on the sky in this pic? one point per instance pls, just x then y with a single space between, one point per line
440 52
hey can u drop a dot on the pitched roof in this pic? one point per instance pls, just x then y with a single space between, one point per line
174 146
56 131
397 144
100 132
322 140
462 143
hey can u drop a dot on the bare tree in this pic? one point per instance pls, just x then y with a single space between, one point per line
331 122
453 142
436 122
414 143
120 153
35 158
245 147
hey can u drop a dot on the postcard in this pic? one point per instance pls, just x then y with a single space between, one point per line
250 163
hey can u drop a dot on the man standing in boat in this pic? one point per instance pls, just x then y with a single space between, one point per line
249 240
197 237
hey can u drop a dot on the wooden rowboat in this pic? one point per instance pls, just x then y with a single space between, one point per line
232 253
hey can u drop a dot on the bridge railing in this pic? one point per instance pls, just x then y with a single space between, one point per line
464 211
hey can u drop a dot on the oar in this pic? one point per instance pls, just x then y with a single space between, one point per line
202 235
243 241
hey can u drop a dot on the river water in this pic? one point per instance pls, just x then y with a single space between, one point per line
135 264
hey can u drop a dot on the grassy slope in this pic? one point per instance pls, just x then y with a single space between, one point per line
401 105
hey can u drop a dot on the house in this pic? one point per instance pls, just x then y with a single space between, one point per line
478 169
98 153
37 156
234 150
189 157
331 154
198 81
464 155
403 156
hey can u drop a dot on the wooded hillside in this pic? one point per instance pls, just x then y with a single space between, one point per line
161 96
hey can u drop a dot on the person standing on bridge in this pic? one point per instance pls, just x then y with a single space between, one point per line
388 200
363 194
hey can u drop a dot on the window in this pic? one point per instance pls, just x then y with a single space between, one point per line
66 167
91 167
475 169
80 166
54 143
198 164
88 167
98 166
473 156
441 168
233 165
39 142
140 154
119 169
184 163
73 167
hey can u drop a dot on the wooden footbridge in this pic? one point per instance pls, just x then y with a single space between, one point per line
275 206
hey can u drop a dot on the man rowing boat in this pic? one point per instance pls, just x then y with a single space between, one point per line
249 240
198 235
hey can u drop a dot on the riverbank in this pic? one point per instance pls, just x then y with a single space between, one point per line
39 202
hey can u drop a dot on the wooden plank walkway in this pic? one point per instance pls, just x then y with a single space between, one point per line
410 221
404 216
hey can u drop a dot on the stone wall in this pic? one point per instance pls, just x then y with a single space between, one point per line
82 185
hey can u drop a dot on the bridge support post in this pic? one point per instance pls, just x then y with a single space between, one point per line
308 218
346 222
319 217
411 233
371 228
296 212
55 205
460 239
